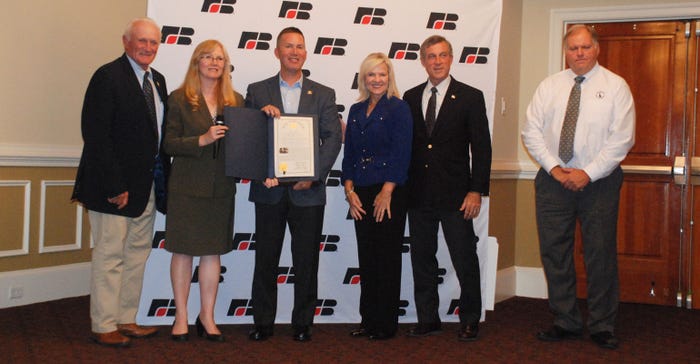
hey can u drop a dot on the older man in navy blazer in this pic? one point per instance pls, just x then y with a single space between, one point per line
449 122
300 204
121 180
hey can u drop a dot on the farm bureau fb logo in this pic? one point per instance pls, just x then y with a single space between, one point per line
244 241
352 276
329 243
161 307
218 6
285 275
176 35
408 51
158 240
474 55
370 16
295 10
325 307
240 308
255 40
454 308
330 46
444 21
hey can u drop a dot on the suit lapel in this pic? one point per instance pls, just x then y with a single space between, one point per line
273 89
306 99
137 90
448 102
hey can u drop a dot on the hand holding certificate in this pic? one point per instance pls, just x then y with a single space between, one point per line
259 147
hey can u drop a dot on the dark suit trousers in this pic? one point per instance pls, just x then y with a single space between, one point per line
461 242
305 225
379 254
557 211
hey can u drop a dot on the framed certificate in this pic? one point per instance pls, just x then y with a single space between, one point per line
259 147
294 147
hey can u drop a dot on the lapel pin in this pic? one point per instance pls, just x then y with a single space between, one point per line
309 92
453 97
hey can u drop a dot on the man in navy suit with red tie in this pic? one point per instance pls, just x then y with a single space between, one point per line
449 122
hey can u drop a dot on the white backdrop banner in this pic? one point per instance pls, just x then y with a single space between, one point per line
339 35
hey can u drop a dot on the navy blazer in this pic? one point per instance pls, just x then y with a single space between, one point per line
315 99
120 141
440 173
378 147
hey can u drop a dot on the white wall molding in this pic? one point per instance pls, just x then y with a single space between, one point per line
45 284
54 283
77 243
24 250
26 155
560 17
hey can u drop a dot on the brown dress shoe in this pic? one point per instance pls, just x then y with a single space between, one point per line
136 331
113 338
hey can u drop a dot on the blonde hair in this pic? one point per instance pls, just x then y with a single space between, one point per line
370 62
193 86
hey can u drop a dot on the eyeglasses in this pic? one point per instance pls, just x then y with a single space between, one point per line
209 58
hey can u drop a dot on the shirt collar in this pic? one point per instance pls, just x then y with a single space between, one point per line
138 70
296 84
441 87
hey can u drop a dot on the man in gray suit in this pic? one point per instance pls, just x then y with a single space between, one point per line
299 204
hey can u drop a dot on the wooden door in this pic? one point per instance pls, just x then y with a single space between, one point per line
655 205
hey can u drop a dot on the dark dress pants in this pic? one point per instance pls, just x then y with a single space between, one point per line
557 211
461 242
379 254
305 225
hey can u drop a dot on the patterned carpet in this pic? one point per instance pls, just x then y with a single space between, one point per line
58 332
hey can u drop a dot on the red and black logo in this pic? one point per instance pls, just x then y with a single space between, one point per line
444 21
158 240
330 46
325 307
285 275
176 35
255 40
408 51
354 81
295 10
243 241
474 55
240 308
352 276
402 307
218 6
195 275
373 16
329 243
161 308
333 179
454 308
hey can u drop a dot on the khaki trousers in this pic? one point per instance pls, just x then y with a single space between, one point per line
122 246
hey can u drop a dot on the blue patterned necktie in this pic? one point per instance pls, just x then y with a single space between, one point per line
568 130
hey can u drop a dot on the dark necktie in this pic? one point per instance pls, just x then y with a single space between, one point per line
148 94
430 111
158 174
566 139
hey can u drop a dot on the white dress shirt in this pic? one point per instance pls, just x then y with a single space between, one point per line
605 127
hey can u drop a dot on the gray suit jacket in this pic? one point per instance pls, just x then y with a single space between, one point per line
315 99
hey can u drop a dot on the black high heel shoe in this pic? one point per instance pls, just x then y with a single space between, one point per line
179 337
202 332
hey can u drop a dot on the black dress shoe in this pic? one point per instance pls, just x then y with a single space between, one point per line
359 332
219 338
180 337
260 333
605 339
468 332
556 333
380 335
302 334
421 330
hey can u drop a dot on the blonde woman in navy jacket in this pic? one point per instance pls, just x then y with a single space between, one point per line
375 169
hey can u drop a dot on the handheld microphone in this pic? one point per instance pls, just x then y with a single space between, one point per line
219 120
